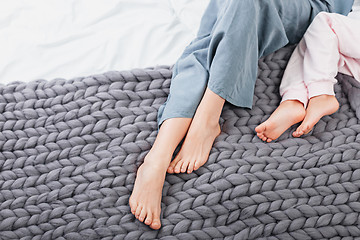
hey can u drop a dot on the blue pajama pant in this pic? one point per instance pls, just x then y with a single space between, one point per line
233 35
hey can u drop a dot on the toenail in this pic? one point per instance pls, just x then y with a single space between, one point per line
156 225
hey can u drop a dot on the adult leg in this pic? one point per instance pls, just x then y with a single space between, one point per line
190 82
191 67
245 31
146 197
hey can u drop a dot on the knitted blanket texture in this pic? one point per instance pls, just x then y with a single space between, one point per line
70 149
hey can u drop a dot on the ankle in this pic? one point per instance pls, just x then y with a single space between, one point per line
207 118
154 165
212 123
158 158
291 102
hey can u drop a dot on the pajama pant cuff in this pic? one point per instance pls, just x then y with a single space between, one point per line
321 88
175 114
295 94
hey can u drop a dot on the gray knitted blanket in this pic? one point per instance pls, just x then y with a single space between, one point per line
70 150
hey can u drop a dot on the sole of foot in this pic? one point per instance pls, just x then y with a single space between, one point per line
287 114
318 107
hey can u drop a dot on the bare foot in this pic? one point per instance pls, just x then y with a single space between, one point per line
196 147
287 114
145 200
318 107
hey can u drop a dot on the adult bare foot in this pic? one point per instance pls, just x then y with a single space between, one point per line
145 200
196 147
203 130
287 114
318 107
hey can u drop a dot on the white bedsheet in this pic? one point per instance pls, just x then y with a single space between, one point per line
46 39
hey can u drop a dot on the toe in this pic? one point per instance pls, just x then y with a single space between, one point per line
260 135
260 128
172 165
199 161
177 167
148 219
142 214
138 211
196 165
303 129
170 169
156 224
133 205
297 132
268 140
184 166
191 166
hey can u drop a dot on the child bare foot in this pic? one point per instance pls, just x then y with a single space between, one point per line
287 114
318 107
196 147
145 200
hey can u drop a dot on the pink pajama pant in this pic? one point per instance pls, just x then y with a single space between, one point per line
330 45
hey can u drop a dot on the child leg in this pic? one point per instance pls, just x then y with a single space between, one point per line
332 47
294 99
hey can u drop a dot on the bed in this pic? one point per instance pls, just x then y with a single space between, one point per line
51 39
71 140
